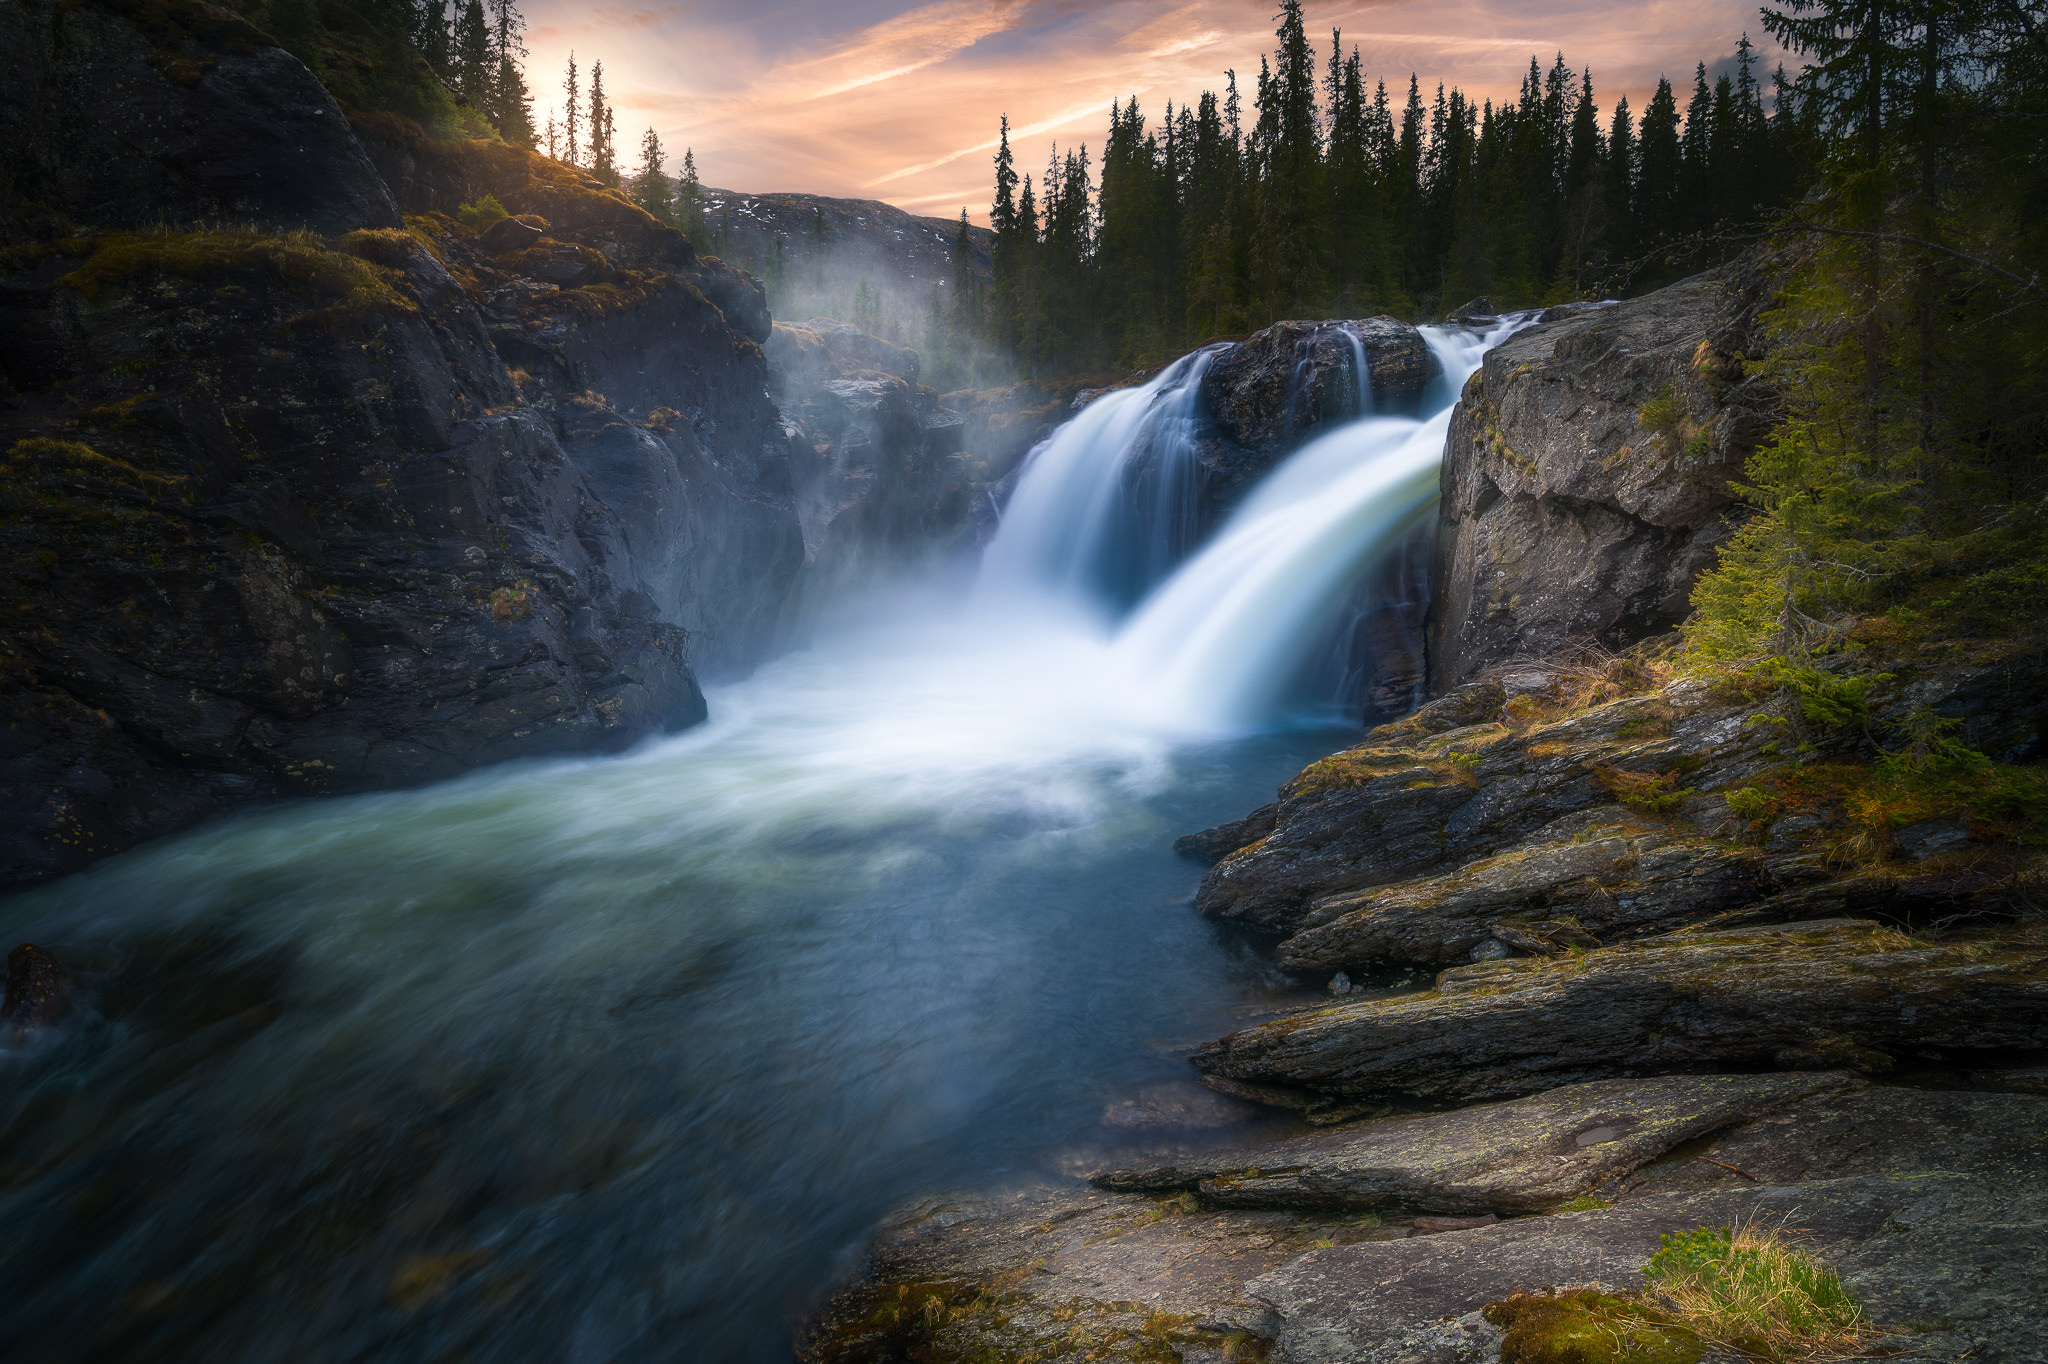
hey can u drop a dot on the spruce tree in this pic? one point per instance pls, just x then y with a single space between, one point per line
1696 209
1658 168
430 36
689 202
572 115
510 105
650 184
604 163
475 69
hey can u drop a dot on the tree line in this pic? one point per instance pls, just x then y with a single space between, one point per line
1327 199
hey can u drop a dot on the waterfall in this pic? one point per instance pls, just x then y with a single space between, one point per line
1213 639
1105 507
1216 647
1361 372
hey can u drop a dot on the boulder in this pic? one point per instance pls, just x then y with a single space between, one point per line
512 234
1813 995
1529 1155
1272 391
1587 474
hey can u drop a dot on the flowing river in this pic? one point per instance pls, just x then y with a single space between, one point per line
620 1059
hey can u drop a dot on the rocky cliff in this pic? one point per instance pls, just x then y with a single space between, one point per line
309 487
882 478
1586 479
819 250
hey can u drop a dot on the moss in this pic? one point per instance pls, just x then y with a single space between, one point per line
1589 1327
298 261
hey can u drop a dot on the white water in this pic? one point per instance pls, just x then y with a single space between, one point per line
1214 649
1104 507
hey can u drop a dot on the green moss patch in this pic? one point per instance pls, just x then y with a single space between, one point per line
345 285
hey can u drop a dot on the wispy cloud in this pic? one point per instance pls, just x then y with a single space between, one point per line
859 97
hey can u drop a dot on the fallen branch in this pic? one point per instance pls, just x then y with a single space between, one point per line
1726 1166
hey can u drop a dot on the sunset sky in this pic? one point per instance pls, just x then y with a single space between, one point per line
897 100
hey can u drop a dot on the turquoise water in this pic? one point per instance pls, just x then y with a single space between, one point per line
619 1059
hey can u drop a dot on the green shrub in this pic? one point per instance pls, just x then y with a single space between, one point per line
481 214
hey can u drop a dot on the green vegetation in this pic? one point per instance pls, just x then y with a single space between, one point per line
1755 1292
480 213
345 285
1750 1292
1910 342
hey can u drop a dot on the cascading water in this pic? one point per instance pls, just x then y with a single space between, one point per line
1105 508
619 1059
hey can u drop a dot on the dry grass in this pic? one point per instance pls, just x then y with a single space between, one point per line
1755 1291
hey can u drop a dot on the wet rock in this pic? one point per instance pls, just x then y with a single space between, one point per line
1524 1156
1213 845
1947 1248
1932 1206
882 482
1565 517
36 983
1679 1002
1543 896
2012 1079
1276 389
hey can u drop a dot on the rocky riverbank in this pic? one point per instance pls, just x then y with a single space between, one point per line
1610 945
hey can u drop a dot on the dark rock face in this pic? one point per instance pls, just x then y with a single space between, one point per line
303 514
1564 517
189 115
882 481
1273 392
1526 1156
1823 993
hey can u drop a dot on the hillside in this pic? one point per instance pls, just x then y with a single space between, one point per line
899 256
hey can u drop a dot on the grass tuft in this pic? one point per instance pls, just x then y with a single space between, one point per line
1755 1292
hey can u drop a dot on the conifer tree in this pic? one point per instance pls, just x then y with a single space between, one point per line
603 157
475 68
689 203
1658 168
572 115
510 104
430 36
1696 174
650 184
